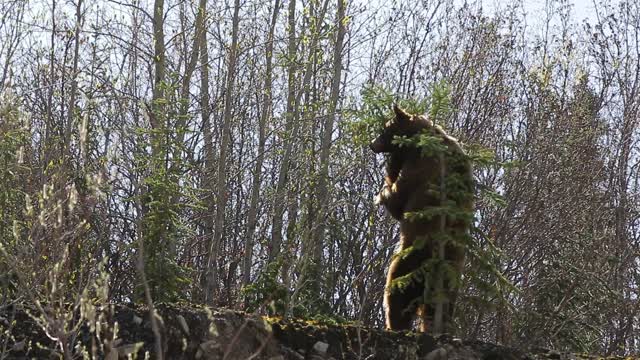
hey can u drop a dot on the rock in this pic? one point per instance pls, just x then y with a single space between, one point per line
437 354
126 351
553 354
321 347
112 354
183 324
209 346
19 346
214 334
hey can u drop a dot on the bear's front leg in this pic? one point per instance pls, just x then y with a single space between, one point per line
392 201
382 195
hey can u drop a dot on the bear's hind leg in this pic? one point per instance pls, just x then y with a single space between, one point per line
401 303
399 310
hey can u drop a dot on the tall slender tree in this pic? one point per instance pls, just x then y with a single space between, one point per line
222 191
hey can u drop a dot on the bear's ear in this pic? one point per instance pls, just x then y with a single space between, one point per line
401 115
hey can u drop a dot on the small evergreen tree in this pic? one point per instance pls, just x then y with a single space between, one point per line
163 200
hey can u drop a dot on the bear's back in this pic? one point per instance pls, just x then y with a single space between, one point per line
424 172
425 186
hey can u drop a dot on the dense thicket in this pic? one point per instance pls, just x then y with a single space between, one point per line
209 151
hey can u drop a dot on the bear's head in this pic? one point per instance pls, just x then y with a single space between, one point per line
404 124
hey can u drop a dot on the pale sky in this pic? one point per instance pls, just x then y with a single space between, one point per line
582 9
535 9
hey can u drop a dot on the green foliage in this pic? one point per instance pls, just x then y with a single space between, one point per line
163 201
440 106
13 139
365 123
309 305
330 319
266 291
428 144
161 225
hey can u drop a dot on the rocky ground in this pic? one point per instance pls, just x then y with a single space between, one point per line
190 332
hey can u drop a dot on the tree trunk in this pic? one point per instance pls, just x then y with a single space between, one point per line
208 145
291 119
74 82
264 118
322 197
309 69
159 60
221 187
292 127
190 66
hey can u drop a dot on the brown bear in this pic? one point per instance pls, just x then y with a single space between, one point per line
422 180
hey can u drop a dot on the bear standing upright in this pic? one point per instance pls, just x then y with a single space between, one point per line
419 181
